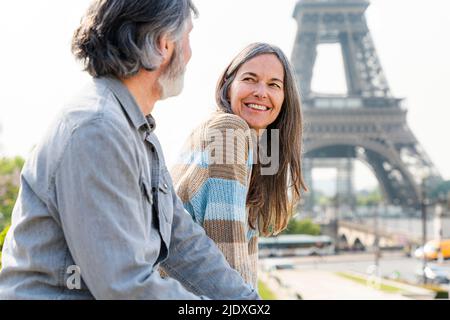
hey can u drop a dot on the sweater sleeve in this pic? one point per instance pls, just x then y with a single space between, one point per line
225 215
225 223
214 190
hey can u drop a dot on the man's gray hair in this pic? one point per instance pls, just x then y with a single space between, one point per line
119 37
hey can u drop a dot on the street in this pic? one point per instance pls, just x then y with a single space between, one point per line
317 277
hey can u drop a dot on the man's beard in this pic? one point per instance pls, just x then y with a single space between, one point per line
172 80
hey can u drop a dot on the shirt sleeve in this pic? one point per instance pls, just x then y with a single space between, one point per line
98 199
199 265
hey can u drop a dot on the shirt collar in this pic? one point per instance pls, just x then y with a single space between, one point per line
129 104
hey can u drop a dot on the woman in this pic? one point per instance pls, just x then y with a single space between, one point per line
220 179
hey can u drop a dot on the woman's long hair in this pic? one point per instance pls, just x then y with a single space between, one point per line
272 198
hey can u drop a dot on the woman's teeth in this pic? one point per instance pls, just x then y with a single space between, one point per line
257 107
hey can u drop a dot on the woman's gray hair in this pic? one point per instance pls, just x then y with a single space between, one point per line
251 51
269 203
119 37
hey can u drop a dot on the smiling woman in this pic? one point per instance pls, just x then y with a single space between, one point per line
257 93
224 187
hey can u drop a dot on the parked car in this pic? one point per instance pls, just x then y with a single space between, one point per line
434 250
434 273
284 266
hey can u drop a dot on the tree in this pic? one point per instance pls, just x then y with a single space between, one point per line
9 187
371 198
303 226
10 166
8 196
3 235
442 190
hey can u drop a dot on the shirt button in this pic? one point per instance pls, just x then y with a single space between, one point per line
154 190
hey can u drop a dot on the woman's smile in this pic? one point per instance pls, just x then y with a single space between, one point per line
257 107
257 92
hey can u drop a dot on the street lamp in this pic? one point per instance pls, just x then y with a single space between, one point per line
440 203
423 206
377 237
336 223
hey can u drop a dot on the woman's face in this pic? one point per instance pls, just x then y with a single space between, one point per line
257 92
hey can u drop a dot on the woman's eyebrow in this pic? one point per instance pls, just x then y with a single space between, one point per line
276 79
250 74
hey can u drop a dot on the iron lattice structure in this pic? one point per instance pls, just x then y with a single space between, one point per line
367 123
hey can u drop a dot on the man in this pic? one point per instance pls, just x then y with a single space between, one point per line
97 214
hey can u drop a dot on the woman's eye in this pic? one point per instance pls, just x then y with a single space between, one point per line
275 85
248 79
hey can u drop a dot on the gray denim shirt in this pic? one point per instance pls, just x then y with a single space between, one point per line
96 200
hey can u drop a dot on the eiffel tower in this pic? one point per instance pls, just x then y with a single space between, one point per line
367 123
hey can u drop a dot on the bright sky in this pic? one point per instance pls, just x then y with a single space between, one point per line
38 72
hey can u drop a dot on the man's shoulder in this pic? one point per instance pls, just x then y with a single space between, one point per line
91 116
94 103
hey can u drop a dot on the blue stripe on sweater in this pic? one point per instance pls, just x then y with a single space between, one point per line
219 199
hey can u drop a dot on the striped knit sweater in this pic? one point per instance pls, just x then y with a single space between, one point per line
212 178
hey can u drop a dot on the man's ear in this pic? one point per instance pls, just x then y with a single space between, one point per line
166 47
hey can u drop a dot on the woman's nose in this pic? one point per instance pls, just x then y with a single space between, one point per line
260 91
